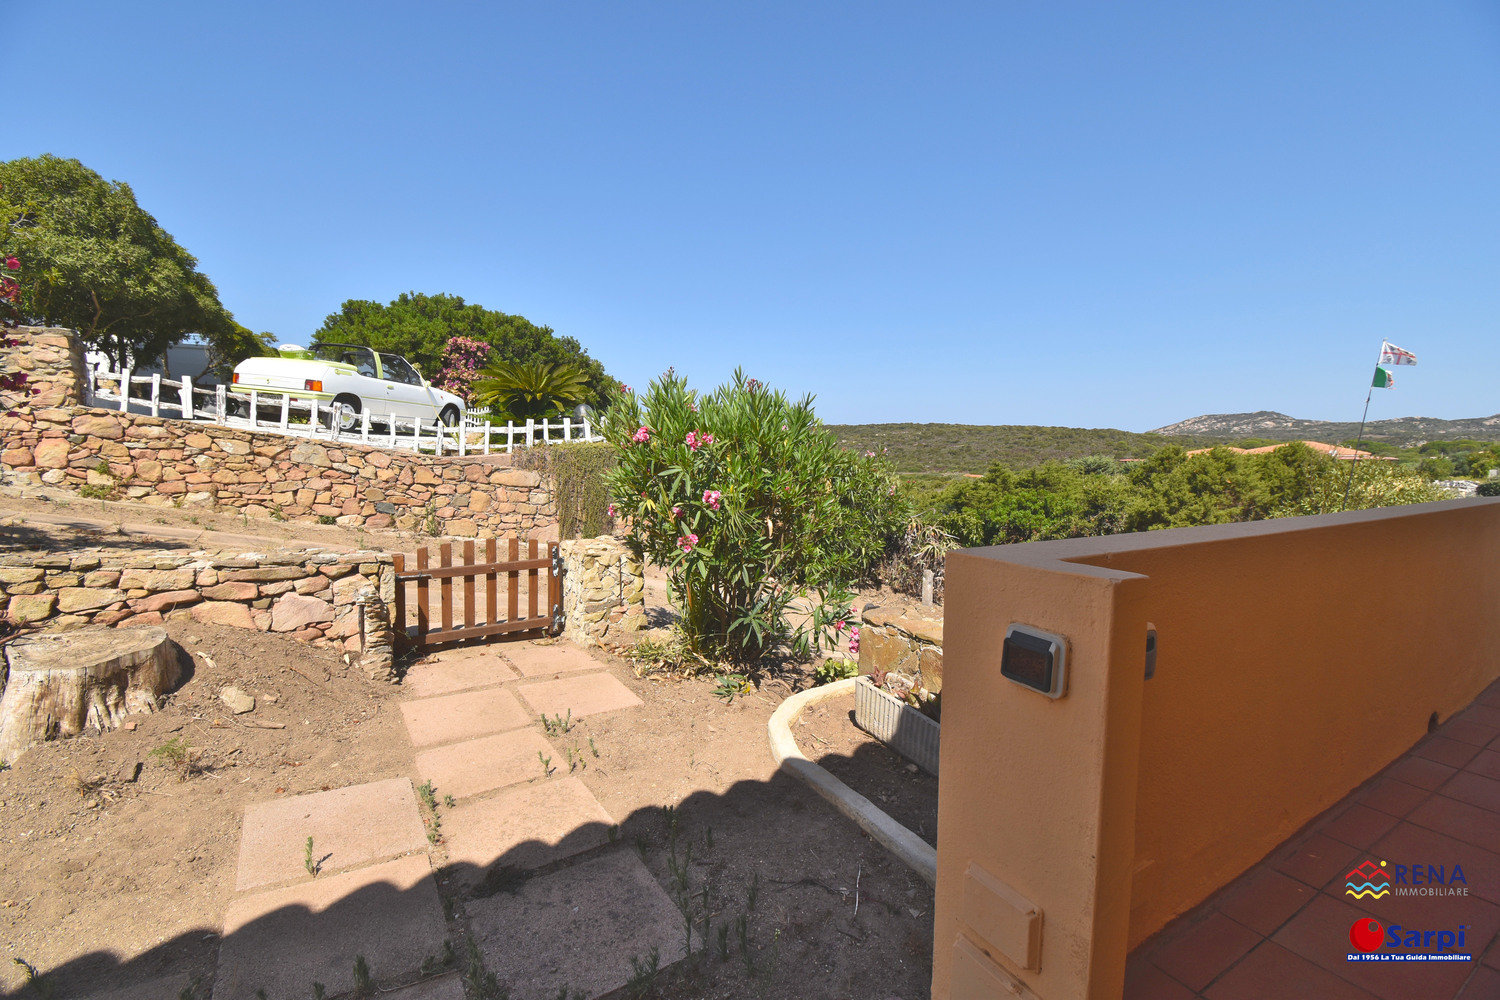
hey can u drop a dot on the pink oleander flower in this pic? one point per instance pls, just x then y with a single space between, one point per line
869 454
641 436
12 263
838 626
676 513
691 440
686 542
707 439
712 497
625 388
854 641
612 511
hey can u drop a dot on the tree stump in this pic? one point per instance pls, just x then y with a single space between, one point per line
60 684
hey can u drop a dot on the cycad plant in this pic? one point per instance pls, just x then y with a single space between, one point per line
526 389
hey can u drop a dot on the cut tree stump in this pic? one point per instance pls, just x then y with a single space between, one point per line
60 684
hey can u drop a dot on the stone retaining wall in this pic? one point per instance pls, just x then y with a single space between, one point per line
311 594
48 439
604 590
902 644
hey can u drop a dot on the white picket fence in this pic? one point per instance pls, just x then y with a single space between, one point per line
307 418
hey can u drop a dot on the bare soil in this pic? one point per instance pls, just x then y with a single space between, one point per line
112 875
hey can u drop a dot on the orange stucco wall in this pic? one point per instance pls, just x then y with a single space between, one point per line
1296 658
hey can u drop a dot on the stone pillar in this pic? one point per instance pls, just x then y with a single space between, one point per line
604 588
52 358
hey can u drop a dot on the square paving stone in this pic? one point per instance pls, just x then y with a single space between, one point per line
454 717
456 673
486 763
525 828
577 927
540 661
284 940
349 826
588 694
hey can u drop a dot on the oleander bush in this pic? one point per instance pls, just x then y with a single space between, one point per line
748 502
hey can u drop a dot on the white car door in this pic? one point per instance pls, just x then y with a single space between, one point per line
408 395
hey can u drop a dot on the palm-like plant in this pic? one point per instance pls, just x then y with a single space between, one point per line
523 389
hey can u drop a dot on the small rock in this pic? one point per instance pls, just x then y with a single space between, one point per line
237 701
270 698
912 768
129 727
130 770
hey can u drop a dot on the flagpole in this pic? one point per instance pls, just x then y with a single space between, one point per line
1361 438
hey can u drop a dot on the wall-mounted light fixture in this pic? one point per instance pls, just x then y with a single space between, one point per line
1035 659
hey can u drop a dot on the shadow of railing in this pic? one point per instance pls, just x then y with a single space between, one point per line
826 912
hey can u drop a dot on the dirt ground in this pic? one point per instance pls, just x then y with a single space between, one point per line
106 853
111 876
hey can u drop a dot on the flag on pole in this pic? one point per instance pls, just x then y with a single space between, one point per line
1384 379
1390 354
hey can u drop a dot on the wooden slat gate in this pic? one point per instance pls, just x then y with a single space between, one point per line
543 593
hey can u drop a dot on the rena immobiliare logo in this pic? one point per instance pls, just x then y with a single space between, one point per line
1376 942
1372 881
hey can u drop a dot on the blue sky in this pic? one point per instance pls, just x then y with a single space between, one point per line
1080 214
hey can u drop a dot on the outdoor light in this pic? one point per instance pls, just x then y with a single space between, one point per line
1035 659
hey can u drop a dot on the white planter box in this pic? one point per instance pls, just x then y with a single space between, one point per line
897 725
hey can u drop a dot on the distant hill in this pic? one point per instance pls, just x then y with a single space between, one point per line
1404 432
951 449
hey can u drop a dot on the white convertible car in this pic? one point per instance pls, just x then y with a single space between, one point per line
352 379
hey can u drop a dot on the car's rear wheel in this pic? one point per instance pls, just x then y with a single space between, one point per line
345 412
450 416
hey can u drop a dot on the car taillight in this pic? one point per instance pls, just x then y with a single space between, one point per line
235 379
313 385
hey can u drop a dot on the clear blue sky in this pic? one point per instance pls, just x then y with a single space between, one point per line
1085 214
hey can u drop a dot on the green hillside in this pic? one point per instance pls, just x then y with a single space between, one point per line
950 449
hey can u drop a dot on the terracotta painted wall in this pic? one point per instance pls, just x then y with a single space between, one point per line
1296 658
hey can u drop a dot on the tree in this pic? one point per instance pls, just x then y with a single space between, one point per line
102 265
420 326
525 389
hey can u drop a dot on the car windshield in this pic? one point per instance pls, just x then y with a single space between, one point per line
398 369
362 358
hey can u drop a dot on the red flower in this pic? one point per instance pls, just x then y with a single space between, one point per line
12 263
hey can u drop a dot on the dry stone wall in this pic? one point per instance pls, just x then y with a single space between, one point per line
52 361
48 439
906 645
603 592
313 595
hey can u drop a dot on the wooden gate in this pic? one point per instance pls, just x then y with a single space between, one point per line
543 593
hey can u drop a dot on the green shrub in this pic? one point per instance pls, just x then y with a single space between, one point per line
577 473
747 502
1490 488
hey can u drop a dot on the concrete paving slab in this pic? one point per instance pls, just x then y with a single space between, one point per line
586 694
525 828
448 987
155 989
453 717
577 927
349 826
284 940
456 673
543 661
481 765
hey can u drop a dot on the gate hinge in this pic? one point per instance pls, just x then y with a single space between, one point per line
557 619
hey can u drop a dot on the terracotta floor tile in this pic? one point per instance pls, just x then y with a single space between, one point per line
1421 772
1359 826
1461 820
1488 715
1492 956
1153 984
1467 731
1445 751
1320 934
1264 899
1411 844
1317 861
1475 789
1202 953
1394 797
1270 972
1486 762
1491 696
1483 985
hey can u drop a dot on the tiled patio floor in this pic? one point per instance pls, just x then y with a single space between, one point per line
1282 930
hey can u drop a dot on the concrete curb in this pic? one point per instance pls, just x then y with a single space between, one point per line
897 839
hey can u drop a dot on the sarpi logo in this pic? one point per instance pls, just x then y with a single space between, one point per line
1372 881
1404 944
